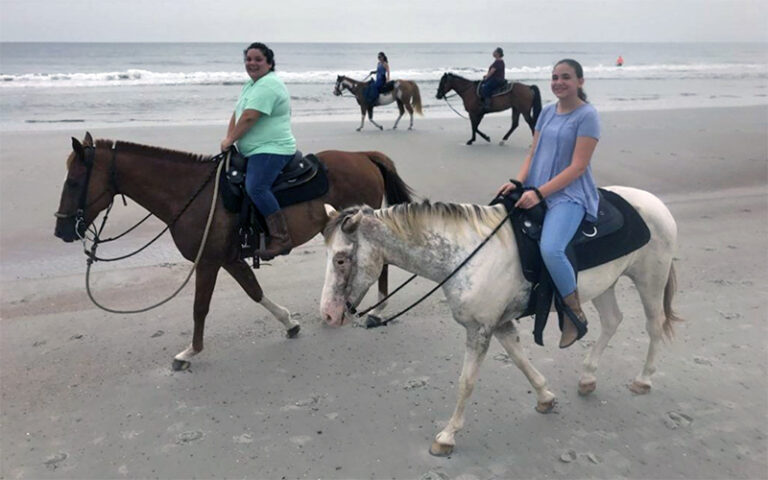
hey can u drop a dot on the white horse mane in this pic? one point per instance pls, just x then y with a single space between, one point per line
414 220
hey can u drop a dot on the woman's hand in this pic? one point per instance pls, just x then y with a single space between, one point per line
529 199
226 144
506 188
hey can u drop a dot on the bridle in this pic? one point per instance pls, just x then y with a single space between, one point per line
373 321
88 159
446 97
89 156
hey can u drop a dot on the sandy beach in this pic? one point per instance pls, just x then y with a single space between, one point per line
88 394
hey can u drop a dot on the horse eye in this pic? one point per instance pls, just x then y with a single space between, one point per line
71 183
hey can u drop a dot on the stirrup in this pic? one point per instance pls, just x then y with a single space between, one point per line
581 326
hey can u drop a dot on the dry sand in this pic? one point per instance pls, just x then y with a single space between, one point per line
87 394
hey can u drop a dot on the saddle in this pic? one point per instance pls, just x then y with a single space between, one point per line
618 231
371 93
500 90
304 178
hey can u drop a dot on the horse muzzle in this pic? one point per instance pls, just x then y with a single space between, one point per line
69 227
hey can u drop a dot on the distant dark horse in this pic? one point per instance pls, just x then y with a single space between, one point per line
177 188
522 98
405 93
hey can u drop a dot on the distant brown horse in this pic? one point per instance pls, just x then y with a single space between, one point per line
525 99
165 181
405 93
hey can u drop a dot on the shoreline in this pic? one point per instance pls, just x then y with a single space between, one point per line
388 113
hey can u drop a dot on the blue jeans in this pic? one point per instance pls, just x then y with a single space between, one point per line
488 86
560 224
262 170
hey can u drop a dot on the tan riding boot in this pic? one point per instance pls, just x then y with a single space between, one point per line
279 242
572 331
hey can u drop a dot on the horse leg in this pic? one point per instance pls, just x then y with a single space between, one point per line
478 338
205 280
370 118
241 272
610 318
515 121
402 111
509 338
362 118
651 292
529 120
477 128
473 121
410 114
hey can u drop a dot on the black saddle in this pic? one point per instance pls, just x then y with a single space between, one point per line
618 231
304 178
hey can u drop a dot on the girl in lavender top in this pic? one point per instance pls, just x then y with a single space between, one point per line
557 169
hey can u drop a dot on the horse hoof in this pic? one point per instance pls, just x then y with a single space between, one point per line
440 450
358 129
293 331
180 365
381 128
469 142
587 387
545 407
639 388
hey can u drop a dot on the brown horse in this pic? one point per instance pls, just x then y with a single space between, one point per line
177 188
525 99
405 93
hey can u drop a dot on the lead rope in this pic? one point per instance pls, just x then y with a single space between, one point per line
189 275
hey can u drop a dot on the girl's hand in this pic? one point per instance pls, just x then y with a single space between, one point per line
529 199
506 188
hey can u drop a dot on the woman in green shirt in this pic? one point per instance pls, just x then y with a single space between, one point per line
261 128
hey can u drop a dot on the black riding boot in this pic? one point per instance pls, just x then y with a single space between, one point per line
573 328
279 242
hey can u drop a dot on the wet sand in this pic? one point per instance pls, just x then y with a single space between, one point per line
88 394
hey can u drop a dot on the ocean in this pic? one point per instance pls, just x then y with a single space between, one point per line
55 85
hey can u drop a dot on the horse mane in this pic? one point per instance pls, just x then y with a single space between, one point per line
159 152
416 220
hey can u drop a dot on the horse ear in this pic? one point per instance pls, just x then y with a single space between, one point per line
350 224
88 142
78 148
330 211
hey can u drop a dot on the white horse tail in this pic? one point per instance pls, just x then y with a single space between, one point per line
670 317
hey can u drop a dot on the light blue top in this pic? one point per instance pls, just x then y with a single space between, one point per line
272 131
557 139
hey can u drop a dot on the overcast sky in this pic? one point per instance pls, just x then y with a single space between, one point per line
383 20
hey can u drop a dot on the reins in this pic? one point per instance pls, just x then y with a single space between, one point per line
445 97
373 321
91 254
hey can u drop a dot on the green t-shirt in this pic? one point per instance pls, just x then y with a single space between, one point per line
272 131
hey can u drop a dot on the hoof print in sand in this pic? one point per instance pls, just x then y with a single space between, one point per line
676 420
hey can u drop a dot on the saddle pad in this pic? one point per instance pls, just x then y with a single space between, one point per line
232 195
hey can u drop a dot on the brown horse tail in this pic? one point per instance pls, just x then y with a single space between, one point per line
396 190
670 317
536 103
416 99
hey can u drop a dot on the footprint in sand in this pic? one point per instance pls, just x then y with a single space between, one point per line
188 437
675 420
54 461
